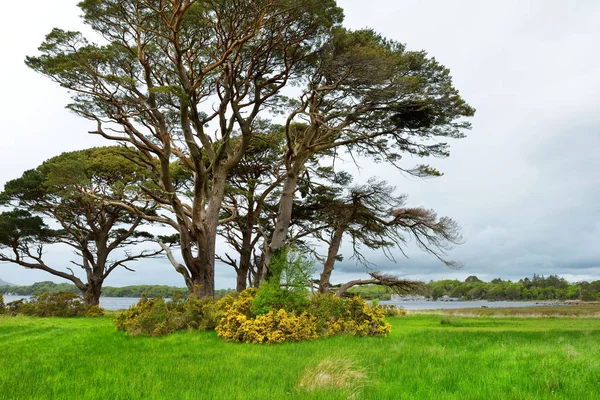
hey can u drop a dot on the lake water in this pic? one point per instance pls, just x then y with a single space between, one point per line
434 305
119 303
108 303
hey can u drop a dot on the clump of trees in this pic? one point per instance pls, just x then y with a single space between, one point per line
192 89
107 291
39 288
536 288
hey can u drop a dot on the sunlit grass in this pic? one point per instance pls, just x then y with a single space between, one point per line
466 358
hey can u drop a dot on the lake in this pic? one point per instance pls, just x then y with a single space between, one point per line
119 303
108 303
434 305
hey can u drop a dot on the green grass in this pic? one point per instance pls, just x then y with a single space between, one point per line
462 358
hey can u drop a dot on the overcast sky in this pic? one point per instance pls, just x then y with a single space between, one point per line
524 184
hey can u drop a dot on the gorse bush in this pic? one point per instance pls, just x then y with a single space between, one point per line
390 310
326 315
234 319
284 310
241 324
13 307
59 304
157 317
327 309
272 327
360 318
274 313
150 316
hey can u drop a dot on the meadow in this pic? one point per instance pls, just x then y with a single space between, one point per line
427 356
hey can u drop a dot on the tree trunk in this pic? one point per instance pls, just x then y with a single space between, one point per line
91 295
241 281
332 253
245 255
243 270
203 277
284 217
377 278
198 271
95 275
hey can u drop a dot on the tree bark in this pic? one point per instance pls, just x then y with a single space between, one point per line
332 253
243 269
202 267
284 217
246 252
204 281
92 292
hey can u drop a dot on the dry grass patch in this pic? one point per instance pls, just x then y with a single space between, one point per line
589 310
334 373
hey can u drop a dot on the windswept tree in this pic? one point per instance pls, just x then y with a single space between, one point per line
100 234
178 80
371 215
371 97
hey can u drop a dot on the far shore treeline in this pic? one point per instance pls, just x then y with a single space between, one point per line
536 288
107 291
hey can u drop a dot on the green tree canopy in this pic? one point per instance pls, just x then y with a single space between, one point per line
63 190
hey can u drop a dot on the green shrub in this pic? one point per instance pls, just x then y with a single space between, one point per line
59 304
327 309
451 321
13 307
94 311
2 305
148 316
157 317
287 287
390 310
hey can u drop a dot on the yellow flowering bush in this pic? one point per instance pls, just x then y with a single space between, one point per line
240 325
327 315
359 318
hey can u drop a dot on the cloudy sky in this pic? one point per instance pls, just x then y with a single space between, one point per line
524 184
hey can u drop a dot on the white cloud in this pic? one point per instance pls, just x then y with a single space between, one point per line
523 184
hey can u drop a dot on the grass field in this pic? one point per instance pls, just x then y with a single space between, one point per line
426 357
